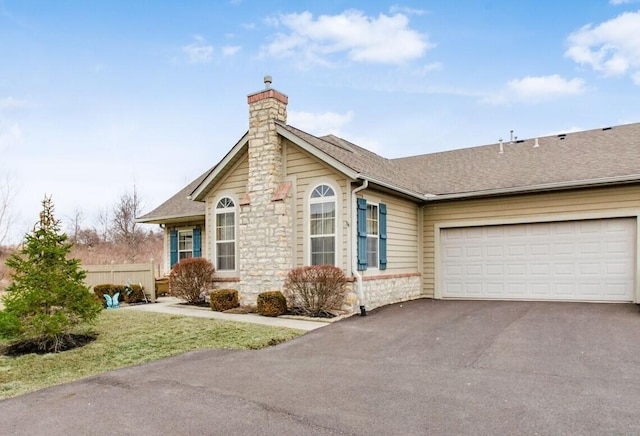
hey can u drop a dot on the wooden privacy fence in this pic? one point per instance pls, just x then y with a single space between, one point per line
119 274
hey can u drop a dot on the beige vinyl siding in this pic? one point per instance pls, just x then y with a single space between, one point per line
235 186
402 233
558 206
307 170
167 240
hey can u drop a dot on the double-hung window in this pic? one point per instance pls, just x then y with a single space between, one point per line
225 235
185 243
372 235
322 226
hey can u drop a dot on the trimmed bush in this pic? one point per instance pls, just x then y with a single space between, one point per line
315 290
134 294
272 303
223 299
191 279
106 288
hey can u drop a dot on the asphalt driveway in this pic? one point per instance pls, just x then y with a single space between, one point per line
424 367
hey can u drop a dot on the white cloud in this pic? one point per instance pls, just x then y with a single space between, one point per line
536 89
406 10
612 47
622 2
230 50
320 123
198 52
428 68
385 39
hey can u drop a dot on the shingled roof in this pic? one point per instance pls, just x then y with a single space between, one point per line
178 207
599 156
367 164
582 158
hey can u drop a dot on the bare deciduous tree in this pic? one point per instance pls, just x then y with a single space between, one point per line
7 194
88 237
75 225
104 224
124 228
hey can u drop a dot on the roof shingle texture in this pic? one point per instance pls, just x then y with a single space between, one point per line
361 160
580 156
179 204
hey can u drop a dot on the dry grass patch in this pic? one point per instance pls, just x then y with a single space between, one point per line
128 338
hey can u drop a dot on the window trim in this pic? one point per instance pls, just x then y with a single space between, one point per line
376 236
180 251
219 211
362 236
338 218
173 241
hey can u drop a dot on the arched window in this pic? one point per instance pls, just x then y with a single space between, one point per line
225 235
322 226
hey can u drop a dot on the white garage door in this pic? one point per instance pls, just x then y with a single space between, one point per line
589 260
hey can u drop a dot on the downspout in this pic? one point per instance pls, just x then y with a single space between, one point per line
354 246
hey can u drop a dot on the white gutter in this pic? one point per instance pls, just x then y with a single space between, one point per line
396 188
354 245
542 187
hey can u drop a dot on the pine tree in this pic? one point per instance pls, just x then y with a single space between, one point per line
47 298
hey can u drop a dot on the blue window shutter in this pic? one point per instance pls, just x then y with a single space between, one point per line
197 242
382 208
173 247
362 234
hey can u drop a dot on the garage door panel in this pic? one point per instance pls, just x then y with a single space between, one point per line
590 249
563 249
515 250
613 290
495 289
590 269
472 252
540 249
538 289
564 269
539 269
590 260
496 270
516 289
592 290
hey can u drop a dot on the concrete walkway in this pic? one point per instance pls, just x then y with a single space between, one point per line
172 305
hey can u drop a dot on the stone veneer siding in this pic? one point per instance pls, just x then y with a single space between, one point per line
265 231
394 288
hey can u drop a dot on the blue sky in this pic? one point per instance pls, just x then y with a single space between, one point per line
98 96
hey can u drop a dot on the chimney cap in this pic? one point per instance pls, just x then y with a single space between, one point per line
267 81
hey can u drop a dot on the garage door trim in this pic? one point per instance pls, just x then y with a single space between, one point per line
529 219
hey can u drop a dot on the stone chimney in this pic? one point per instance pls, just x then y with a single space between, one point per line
265 151
265 227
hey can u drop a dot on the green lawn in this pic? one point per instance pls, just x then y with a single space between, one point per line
127 338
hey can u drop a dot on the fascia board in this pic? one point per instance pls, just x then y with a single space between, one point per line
198 194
